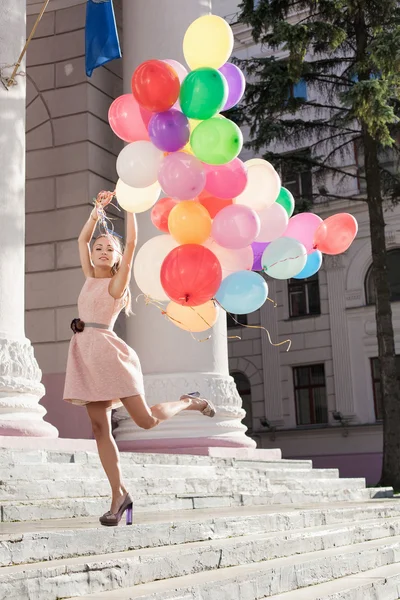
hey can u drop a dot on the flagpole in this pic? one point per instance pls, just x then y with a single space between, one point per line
11 80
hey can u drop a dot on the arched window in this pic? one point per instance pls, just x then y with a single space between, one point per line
244 388
393 264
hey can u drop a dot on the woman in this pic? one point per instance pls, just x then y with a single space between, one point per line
102 371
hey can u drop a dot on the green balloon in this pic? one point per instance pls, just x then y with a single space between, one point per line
216 141
286 200
203 93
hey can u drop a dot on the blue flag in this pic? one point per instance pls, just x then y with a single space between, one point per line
101 36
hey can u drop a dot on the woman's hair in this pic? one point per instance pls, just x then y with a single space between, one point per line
119 247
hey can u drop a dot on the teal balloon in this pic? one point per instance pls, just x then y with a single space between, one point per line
242 292
216 141
203 93
313 265
286 200
284 258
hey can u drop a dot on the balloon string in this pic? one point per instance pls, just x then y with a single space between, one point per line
265 268
106 225
288 342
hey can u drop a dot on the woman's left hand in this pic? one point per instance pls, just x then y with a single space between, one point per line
104 198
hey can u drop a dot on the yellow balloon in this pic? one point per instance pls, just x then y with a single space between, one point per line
208 42
194 319
137 200
189 223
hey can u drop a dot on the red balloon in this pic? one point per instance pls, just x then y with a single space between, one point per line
212 204
155 85
336 234
160 213
191 275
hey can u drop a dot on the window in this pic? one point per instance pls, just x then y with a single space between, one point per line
376 386
310 394
393 264
304 297
244 388
298 90
256 4
296 175
235 320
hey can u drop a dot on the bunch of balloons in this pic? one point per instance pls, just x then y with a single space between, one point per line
222 220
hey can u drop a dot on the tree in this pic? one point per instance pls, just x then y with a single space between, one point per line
348 52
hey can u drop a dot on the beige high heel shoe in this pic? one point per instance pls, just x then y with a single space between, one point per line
208 411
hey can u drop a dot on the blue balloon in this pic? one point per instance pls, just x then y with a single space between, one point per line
242 292
313 265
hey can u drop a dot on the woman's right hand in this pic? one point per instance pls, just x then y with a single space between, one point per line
104 198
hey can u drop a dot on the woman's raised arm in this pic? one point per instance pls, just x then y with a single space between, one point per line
121 279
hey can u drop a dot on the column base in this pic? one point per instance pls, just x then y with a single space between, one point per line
188 429
20 392
168 447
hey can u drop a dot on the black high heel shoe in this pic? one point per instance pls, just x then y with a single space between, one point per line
110 519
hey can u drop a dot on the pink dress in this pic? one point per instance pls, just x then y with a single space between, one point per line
100 365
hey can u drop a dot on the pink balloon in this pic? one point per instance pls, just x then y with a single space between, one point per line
274 221
235 226
181 176
231 261
181 71
226 181
128 120
302 227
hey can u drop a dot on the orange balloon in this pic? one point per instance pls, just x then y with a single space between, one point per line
213 204
194 319
189 223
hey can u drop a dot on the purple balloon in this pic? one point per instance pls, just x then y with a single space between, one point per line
236 84
258 250
169 131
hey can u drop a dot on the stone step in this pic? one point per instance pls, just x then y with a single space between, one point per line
243 567
55 539
37 489
95 471
64 508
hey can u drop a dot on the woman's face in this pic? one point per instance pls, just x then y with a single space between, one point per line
104 253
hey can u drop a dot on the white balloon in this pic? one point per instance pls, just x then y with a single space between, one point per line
263 185
231 260
274 222
137 200
138 164
283 258
147 266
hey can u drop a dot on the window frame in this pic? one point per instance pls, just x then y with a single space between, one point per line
249 393
369 282
310 387
306 285
375 381
241 320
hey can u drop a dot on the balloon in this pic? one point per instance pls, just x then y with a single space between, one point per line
208 42
191 275
196 319
286 200
313 265
155 85
169 131
263 185
128 120
258 250
226 181
302 227
147 266
138 164
137 200
160 213
242 292
189 223
216 141
181 71
336 233
203 93
235 226
284 258
236 84
274 221
231 260
181 176
212 204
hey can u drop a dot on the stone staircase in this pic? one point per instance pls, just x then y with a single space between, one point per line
204 528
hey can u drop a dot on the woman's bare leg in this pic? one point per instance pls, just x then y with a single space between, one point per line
148 417
108 450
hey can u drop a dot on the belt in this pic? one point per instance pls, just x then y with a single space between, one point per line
77 326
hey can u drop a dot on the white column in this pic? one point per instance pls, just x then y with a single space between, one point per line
335 270
20 387
173 363
271 360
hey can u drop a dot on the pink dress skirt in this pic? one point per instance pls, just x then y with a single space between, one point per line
100 366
